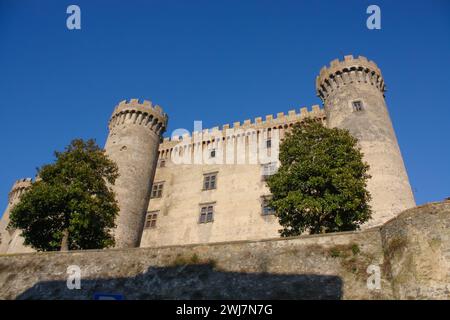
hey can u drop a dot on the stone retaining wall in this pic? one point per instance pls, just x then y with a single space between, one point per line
412 252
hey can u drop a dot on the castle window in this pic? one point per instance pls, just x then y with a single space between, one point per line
162 163
206 213
268 169
266 210
157 190
357 105
269 143
209 181
150 220
213 153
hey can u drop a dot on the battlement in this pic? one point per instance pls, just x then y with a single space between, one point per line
349 70
135 112
269 121
18 188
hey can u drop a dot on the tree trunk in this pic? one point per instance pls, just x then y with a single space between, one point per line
65 241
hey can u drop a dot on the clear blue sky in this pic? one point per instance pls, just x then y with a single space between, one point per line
215 61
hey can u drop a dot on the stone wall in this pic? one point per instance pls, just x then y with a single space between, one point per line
237 206
417 250
240 151
411 250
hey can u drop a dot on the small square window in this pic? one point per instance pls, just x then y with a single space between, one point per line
206 213
213 153
266 209
157 190
150 220
209 181
357 105
268 169
162 163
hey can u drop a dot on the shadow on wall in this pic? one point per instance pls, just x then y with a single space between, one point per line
197 281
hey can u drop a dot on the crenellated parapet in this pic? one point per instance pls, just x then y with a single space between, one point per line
350 70
135 113
19 187
280 121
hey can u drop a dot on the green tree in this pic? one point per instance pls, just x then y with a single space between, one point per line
71 205
321 183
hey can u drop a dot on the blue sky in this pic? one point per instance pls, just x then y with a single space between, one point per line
215 61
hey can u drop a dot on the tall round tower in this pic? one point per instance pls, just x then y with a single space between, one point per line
352 92
135 131
11 240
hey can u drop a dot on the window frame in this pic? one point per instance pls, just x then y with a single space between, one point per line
268 212
207 181
273 166
151 219
207 211
357 105
159 190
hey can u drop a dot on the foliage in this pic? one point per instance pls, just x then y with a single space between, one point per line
71 195
321 185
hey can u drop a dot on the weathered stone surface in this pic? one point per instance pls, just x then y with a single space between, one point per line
310 267
240 188
357 79
412 251
417 250
11 241
135 133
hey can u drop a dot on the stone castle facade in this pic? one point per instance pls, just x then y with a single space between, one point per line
209 186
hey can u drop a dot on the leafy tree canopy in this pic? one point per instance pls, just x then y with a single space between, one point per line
321 183
71 200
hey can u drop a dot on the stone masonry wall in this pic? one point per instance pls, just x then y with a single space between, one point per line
322 267
417 250
240 188
411 250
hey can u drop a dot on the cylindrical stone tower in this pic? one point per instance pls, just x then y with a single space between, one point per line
135 131
11 240
352 92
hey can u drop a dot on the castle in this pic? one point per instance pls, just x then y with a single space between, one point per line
209 186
